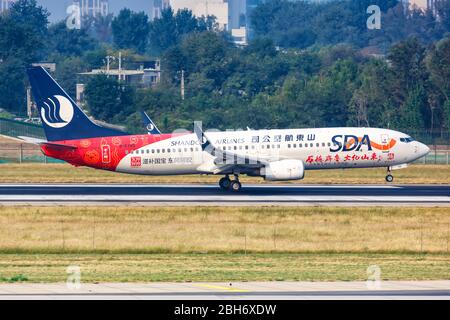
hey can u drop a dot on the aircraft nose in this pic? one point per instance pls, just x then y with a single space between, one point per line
423 149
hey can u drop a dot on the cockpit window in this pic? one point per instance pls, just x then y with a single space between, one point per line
406 139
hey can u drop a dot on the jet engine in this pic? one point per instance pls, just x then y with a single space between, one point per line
284 170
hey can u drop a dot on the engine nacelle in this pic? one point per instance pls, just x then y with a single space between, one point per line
284 170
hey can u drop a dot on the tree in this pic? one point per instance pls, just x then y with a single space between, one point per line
69 42
411 117
99 27
66 73
23 31
408 67
103 97
170 28
371 101
12 85
438 62
131 30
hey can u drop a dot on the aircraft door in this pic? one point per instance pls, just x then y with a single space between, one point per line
385 143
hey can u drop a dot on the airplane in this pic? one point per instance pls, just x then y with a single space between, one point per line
275 155
150 126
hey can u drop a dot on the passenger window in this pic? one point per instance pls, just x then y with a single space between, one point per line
323 144
168 150
295 145
157 150
163 150
311 145
317 145
289 145
153 150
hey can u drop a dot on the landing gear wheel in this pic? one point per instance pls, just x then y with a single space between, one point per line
235 186
389 178
224 183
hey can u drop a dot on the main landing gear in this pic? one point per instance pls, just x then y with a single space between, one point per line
389 176
231 185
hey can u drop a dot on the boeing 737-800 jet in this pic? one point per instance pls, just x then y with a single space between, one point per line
275 155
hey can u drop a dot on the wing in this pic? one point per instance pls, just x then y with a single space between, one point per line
225 161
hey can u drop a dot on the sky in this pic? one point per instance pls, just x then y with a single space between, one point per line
57 8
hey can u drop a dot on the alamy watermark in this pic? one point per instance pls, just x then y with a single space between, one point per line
373 281
73 281
374 21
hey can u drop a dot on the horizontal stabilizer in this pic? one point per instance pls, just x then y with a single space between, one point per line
55 146
32 140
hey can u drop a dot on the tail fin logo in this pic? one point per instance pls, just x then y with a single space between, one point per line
57 111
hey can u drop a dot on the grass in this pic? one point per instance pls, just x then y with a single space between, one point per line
64 173
141 244
223 267
223 230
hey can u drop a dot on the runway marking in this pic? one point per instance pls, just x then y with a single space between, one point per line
230 289
297 186
227 198
65 194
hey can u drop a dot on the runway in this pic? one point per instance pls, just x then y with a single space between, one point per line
127 194
388 290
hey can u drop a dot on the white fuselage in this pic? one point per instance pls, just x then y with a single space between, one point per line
324 148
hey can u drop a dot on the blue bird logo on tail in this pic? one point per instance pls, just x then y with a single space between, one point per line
56 111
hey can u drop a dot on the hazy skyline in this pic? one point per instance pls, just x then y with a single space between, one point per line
57 8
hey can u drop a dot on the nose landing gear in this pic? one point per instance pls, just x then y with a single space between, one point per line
389 176
231 185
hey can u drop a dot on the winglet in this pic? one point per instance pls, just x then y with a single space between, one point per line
150 126
202 139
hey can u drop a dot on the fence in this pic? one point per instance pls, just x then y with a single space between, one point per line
16 128
435 157
23 153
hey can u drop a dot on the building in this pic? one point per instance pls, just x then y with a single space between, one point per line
93 8
237 14
5 4
199 8
421 4
231 15
147 75
156 6
239 36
